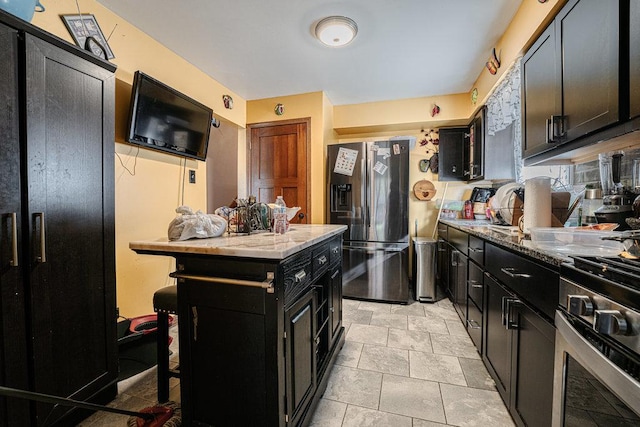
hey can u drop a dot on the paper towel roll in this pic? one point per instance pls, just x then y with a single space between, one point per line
537 203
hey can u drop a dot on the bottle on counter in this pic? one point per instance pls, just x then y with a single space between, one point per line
468 210
280 223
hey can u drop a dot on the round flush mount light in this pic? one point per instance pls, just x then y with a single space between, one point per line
336 31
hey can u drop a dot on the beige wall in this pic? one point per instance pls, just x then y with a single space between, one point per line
316 106
148 184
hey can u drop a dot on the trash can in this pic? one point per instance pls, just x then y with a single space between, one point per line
424 268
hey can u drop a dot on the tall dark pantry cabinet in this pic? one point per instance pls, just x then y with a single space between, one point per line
57 257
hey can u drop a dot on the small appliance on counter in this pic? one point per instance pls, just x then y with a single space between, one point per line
617 202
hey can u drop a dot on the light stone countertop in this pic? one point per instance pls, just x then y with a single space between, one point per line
265 245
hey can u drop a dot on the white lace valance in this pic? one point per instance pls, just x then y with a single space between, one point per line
503 105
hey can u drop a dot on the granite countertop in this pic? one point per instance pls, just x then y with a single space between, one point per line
256 245
516 242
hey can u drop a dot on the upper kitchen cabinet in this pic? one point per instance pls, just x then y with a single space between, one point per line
573 76
461 155
634 59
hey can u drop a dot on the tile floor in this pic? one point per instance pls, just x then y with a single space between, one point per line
401 365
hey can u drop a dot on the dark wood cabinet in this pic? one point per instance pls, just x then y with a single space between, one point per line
572 76
462 151
300 370
256 354
13 335
634 59
453 155
57 171
458 285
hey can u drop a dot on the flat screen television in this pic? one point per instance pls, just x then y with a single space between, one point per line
161 118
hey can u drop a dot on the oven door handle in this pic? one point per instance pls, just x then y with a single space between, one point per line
568 340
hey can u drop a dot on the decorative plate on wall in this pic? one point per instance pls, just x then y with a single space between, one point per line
424 190
424 165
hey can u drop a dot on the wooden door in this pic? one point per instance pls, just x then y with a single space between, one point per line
71 202
279 156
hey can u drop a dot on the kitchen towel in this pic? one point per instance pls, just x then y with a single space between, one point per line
537 203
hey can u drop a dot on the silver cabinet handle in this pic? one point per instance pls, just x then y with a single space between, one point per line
322 260
267 284
475 284
42 258
510 303
335 273
13 262
473 324
300 275
476 250
336 249
512 272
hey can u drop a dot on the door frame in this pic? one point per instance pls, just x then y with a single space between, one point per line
306 121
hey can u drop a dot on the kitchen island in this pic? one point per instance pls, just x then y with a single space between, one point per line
260 323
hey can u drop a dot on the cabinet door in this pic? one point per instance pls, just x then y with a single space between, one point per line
476 146
533 355
541 93
634 59
69 161
497 339
588 40
13 346
300 355
459 290
453 160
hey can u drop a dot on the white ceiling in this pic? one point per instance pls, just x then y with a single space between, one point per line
265 48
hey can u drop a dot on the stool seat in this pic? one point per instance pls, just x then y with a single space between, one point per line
165 302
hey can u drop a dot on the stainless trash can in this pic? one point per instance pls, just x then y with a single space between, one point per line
424 268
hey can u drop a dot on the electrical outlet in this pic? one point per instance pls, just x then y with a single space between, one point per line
192 176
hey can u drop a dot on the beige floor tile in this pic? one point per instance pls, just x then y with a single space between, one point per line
436 367
350 303
384 359
422 423
375 306
354 386
476 374
397 321
440 312
350 354
454 345
411 397
368 334
456 327
328 413
410 340
413 309
471 407
427 324
351 315
363 417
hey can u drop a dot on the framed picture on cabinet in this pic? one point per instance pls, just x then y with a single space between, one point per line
87 34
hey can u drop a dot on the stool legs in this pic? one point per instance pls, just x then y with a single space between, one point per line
163 357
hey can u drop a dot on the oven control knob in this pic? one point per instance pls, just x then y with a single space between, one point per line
609 322
580 305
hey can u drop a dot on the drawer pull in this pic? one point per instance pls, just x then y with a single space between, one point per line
473 324
476 250
335 273
300 275
475 284
13 262
322 260
335 250
267 284
512 272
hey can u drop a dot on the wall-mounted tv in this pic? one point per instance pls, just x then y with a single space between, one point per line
161 118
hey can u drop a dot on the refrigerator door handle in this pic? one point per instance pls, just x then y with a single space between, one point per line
371 207
363 191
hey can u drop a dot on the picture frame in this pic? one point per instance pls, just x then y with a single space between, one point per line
83 27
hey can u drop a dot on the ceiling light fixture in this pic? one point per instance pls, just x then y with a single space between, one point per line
336 31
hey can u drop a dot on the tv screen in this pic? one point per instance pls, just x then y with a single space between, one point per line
164 119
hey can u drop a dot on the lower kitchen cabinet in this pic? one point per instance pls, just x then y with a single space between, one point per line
518 352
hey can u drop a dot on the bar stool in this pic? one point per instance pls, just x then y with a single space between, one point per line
165 302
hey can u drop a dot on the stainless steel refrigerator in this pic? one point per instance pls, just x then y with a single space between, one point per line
368 191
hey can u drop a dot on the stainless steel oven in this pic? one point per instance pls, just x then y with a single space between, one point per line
597 361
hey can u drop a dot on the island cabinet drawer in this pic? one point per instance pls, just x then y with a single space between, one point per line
476 249
475 284
335 250
531 280
297 272
474 324
320 258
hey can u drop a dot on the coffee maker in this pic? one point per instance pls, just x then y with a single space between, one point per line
616 202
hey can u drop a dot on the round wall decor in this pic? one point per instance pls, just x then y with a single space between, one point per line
424 190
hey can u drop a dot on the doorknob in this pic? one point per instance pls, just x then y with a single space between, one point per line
300 215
